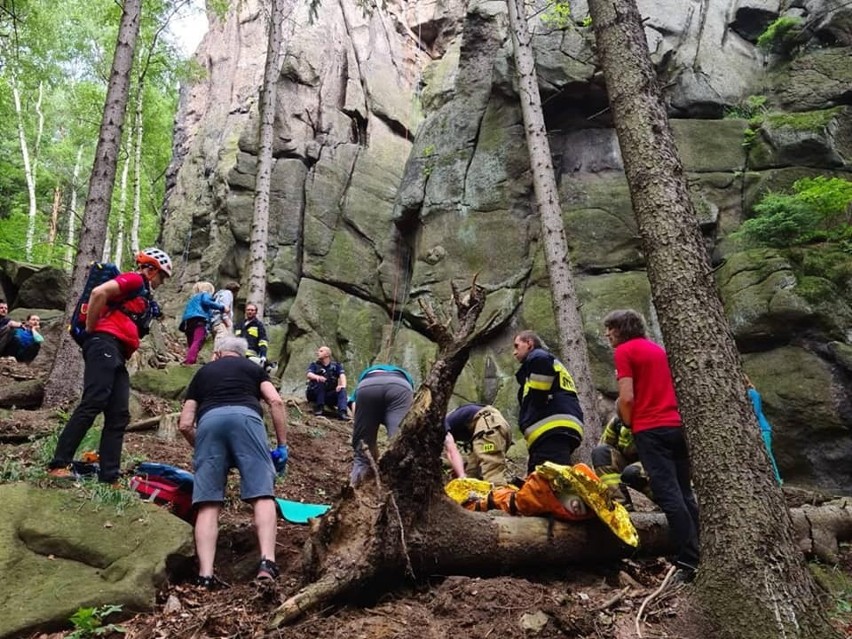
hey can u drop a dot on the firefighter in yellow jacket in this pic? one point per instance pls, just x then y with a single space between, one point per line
485 435
616 462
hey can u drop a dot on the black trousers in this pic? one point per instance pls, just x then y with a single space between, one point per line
665 457
106 389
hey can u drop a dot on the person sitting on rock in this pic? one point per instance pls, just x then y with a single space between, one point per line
616 462
21 341
485 435
327 384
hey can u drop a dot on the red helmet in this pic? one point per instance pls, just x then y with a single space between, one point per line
157 258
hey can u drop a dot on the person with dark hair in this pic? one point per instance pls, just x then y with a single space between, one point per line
118 316
648 405
222 419
550 416
485 435
8 326
254 332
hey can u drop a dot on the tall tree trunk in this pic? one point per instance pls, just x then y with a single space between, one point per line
262 187
752 584
70 248
63 382
137 168
569 322
54 218
29 174
118 254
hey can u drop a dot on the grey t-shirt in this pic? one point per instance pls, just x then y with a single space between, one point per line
226 299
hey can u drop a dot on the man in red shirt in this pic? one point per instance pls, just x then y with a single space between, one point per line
648 405
119 314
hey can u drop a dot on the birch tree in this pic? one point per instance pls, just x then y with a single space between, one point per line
262 188
29 163
569 322
65 375
753 582
72 211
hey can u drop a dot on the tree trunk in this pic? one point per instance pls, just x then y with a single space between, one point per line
72 212
63 381
569 322
122 212
137 168
260 221
29 174
752 582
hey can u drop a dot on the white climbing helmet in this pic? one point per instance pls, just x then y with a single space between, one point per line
156 257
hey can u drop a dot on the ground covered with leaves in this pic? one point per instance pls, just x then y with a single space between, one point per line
590 602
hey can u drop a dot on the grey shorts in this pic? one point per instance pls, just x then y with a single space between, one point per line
232 437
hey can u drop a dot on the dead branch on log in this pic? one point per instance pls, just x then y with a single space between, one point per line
149 423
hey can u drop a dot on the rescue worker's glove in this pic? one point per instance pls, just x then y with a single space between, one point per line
280 456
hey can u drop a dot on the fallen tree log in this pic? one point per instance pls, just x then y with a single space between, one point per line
457 541
150 423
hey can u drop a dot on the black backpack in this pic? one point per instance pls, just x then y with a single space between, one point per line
100 272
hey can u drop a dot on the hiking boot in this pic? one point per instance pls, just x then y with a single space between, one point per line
317 411
267 570
682 576
63 472
343 416
211 582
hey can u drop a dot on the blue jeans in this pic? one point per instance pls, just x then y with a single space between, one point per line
665 457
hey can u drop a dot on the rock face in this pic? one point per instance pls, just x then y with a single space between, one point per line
91 556
402 166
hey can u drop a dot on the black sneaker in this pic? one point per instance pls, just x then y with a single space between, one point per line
211 582
682 576
343 416
267 570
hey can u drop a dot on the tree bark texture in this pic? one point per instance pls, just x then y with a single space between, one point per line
262 187
569 322
752 582
63 381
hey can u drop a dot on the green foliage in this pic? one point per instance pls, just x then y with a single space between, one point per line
89 622
557 15
780 35
751 107
586 22
818 209
219 7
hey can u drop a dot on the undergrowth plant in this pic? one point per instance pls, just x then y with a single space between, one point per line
89 622
818 209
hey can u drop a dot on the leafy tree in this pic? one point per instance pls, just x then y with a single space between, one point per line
818 209
753 582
